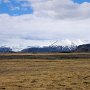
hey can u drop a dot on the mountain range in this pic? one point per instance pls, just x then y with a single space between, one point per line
50 49
18 45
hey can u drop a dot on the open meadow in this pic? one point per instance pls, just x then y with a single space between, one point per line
46 73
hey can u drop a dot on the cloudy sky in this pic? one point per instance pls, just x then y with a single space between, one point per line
40 22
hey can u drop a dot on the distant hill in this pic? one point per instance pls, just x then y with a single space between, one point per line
49 49
5 50
83 48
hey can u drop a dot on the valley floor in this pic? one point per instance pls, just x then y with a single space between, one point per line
43 74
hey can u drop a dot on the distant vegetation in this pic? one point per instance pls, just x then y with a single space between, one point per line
50 49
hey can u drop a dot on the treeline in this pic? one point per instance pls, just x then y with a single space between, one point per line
50 49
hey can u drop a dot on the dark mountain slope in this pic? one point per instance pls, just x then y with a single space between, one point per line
83 48
5 50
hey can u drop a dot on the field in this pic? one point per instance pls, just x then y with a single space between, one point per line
44 72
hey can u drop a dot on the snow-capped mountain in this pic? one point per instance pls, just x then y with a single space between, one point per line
19 44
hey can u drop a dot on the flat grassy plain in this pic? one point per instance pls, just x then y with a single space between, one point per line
44 73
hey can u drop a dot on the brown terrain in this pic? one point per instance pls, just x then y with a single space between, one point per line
69 71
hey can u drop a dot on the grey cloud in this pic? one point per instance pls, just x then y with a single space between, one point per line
61 9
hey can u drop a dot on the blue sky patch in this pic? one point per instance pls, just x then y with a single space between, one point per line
81 1
15 8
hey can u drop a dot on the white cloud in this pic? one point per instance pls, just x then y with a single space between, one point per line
32 28
61 9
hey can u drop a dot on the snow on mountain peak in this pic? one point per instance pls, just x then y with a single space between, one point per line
19 44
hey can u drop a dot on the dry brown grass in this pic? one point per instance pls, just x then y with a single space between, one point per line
44 74
49 56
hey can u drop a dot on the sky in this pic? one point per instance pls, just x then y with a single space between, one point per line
26 23
81 1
